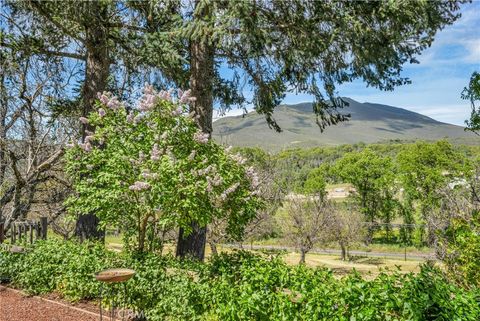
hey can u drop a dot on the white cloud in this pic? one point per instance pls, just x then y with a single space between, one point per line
234 112
462 35
453 114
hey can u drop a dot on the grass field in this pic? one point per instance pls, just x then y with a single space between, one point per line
369 267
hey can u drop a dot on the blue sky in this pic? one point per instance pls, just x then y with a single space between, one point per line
438 80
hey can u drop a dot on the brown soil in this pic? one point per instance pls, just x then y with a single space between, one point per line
15 306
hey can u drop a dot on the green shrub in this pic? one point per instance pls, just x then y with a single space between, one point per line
54 265
240 286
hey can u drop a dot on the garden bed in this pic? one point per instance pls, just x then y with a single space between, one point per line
15 305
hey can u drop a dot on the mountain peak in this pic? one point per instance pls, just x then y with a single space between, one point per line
369 123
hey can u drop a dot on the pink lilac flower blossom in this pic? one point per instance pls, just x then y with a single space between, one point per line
209 185
238 158
86 147
104 97
139 186
83 120
107 99
148 100
148 89
165 95
89 138
141 156
155 154
217 180
201 137
148 175
186 97
113 103
192 155
101 112
252 175
130 117
228 191
177 112
89 167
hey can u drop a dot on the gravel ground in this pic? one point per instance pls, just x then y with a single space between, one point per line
14 306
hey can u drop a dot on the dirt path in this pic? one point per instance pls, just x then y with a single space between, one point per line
14 306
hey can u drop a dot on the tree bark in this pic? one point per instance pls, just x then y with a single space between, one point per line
96 77
3 134
303 254
344 251
201 83
193 244
142 233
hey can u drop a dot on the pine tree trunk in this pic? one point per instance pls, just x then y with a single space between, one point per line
201 84
96 77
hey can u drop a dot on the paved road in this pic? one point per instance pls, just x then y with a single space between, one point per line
394 255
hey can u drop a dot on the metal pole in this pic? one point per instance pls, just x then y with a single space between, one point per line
101 292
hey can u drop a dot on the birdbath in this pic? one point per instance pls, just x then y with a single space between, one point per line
114 276
17 249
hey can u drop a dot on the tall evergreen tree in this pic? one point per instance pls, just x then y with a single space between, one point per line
278 46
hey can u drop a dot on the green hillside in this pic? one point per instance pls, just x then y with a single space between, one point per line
369 123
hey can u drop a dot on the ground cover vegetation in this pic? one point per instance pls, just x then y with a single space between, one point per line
239 286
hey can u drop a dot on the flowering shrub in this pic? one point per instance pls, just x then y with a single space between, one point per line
152 164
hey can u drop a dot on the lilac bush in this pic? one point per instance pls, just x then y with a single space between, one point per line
150 164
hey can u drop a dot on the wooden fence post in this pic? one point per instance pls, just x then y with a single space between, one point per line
37 230
43 226
31 233
2 232
13 231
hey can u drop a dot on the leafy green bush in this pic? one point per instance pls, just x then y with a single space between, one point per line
152 165
462 245
240 286
54 265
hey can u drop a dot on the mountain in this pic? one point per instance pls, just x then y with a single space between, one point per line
369 123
